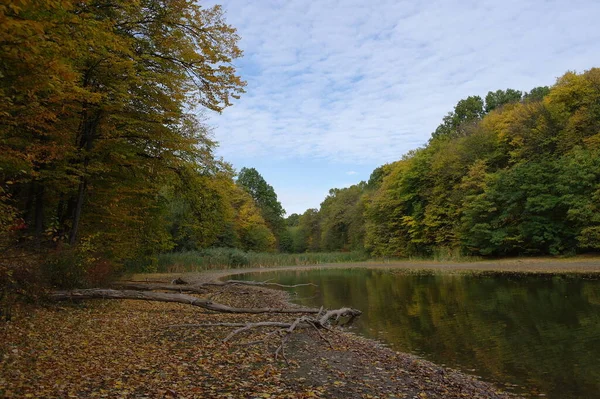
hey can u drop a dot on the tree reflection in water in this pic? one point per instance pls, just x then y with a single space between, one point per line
541 333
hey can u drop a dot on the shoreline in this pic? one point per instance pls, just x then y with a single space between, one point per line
352 356
140 349
357 347
575 266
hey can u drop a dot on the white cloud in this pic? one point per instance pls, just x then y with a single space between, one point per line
366 81
351 173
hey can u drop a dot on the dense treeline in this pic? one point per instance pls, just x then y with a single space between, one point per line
511 174
105 160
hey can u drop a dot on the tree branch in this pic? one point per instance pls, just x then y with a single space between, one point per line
100 293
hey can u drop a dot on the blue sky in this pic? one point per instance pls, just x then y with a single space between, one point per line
339 87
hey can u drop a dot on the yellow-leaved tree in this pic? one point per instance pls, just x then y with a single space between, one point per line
97 102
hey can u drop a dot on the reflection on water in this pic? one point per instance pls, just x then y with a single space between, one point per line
540 333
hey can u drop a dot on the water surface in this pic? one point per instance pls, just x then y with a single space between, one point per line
536 335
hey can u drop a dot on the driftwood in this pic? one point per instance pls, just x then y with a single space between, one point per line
284 330
197 288
303 322
101 293
317 319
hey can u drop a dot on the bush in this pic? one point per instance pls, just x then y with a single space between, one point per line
19 280
69 268
238 259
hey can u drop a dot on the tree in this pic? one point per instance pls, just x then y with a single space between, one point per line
537 93
517 178
466 111
498 98
341 219
94 101
292 220
265 197
308 237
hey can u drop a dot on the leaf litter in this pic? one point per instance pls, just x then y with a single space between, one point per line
126 349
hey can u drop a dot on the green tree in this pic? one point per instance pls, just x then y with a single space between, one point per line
265 197
537 93
292 220
308 235
517 178
498 98
341 219
520 212
466 111
578 183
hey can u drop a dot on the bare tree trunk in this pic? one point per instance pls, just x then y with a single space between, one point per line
100 293
89 125
199 288
39 213
320 320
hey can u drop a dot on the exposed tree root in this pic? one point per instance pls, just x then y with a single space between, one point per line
320 321
283 329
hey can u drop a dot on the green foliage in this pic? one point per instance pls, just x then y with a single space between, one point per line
537 93
103 165
307 237
496 99
262 193
465 112
341 219
519 176
519 212
265 198
578 184
293 220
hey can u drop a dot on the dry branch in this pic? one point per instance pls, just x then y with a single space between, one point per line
99 293
285 330
320 320
198 288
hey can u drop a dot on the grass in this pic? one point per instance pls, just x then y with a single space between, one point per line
438 254
449 254
228 258
231 258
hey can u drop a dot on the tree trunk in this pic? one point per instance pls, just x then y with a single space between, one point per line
320 320
77 210
39 213
100 293
85 143
198 288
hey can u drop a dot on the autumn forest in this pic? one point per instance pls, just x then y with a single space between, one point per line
107 160
112 190
509 175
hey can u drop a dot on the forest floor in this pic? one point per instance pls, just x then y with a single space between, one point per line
137 349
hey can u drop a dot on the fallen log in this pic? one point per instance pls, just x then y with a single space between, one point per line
321 319
198 288
100 293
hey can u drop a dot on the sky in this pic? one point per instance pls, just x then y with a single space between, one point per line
339 87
